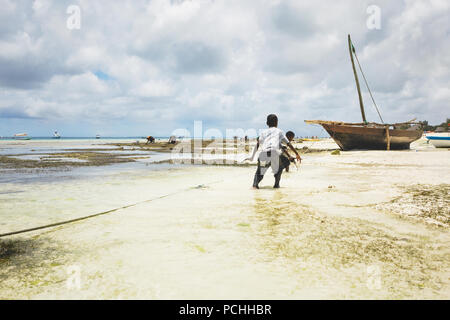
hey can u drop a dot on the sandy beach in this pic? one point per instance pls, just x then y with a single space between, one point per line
358 225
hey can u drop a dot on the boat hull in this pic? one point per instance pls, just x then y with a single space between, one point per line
439 140
350 137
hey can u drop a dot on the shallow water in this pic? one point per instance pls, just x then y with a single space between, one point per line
211 236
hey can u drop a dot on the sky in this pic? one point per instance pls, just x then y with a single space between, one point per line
138 68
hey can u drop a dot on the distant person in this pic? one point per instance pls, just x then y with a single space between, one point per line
150 139
173 139
270 141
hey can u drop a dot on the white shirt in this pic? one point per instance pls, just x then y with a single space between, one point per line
271 139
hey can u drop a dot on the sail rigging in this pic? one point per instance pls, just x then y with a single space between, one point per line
361 104
352 48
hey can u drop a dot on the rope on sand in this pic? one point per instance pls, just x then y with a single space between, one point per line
104 212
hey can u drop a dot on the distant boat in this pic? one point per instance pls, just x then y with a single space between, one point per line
21 136
97 136
370 135
56 135
439 139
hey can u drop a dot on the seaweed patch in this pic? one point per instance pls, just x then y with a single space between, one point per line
425 203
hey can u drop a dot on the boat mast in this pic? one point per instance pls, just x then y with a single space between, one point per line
351 48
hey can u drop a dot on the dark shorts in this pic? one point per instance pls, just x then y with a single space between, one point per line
283 163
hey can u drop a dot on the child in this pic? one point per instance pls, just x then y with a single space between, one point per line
285 156
270 156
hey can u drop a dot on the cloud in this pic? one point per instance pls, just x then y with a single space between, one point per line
153 89
195 57
162 64
292 21
12 113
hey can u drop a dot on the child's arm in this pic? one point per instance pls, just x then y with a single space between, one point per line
254 151
286 153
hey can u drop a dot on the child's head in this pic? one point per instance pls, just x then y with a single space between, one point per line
290 135
272 120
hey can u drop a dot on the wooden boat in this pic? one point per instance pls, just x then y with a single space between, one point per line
370 135
56 135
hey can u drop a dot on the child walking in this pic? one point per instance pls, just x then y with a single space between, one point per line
271 140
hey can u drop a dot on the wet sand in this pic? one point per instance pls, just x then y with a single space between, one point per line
362 224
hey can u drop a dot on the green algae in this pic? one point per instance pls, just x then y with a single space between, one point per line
289 231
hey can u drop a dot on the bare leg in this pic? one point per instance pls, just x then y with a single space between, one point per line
284 163
258 176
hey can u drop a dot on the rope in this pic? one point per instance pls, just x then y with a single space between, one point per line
367 85
100 213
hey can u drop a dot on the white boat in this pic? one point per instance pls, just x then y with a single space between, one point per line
56 135
21 136
439 139
97 136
